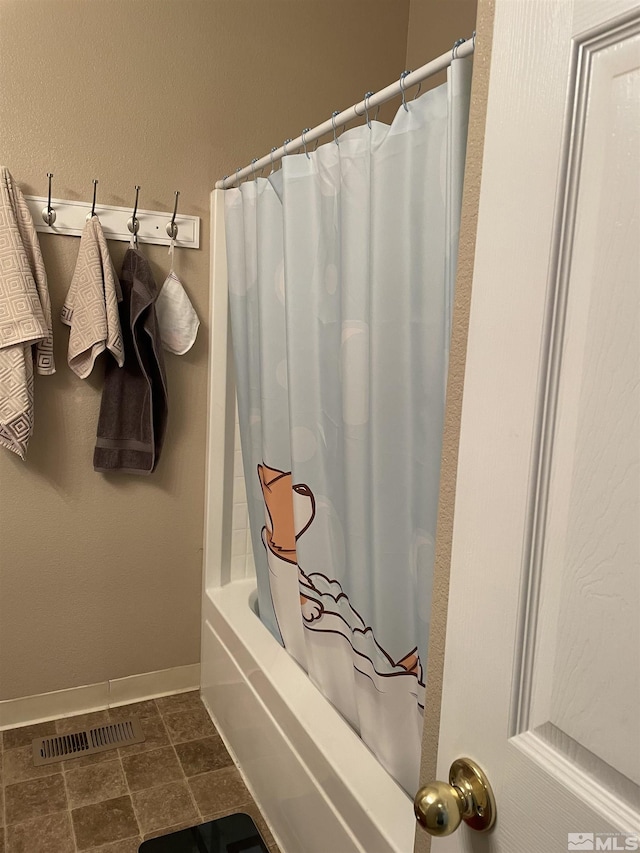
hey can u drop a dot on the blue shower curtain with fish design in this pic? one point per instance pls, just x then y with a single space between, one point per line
341 268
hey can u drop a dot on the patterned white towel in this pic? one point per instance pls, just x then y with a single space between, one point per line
91 306
25 317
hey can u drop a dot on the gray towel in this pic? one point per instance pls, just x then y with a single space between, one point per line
133 410
26 336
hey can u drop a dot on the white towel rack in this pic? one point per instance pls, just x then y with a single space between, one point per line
71 217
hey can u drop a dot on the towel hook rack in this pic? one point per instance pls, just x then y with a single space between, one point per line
172 228
133 225
48 213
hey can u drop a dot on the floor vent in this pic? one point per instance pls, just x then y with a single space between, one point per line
46 750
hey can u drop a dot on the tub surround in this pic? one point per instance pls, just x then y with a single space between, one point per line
317 784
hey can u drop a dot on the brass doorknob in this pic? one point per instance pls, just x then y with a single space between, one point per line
439 808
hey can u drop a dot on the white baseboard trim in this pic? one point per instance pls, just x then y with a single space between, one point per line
28 710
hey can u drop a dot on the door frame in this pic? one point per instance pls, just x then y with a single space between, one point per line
453 411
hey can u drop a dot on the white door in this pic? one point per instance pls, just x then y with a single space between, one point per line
542 665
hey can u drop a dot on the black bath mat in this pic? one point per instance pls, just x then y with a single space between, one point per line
236 833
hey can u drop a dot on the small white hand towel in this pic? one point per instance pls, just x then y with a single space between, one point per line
91 306
177 318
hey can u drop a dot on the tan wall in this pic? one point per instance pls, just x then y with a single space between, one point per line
100 575
434 26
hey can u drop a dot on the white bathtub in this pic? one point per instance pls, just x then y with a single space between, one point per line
319 787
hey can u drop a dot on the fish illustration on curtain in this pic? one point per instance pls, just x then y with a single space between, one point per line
319 625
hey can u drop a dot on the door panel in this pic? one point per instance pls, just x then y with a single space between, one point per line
590 582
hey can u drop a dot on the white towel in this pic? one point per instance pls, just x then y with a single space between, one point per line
91 306
177 318
26 335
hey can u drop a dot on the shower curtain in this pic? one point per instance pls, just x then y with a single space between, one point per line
341 268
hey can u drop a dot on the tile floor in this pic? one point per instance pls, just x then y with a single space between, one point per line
110 802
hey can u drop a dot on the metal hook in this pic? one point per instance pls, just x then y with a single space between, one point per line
93 203
367 98
304 142
48 213
95 191
333 123
224 179
473 39
456 45
172 228
273 168
253 169
402 76
133 225
286 142
418 92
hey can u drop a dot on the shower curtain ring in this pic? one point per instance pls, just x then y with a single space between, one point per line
286 142
236 180
367 97
224 180
333 122
304 142
402 76
253 169
273 168
473 39
456 45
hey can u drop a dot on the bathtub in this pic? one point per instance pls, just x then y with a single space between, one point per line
318 786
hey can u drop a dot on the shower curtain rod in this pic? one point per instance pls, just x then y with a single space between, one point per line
460 50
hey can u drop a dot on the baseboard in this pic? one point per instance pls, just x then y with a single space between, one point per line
28 710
